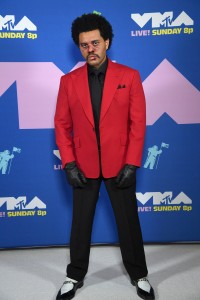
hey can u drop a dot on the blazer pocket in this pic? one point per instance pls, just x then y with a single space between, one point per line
123 139
122 96
123 91
77 143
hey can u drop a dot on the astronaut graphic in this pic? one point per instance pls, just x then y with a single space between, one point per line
153 156
6 159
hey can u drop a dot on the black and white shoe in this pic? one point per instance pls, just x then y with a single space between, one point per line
144 289
68 289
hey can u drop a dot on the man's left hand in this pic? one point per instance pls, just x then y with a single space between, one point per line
127 176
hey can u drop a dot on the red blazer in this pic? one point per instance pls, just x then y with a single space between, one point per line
122 121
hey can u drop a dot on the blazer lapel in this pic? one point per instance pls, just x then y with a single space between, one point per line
81 85
110 86
80 79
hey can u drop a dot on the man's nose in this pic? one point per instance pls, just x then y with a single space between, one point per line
90 48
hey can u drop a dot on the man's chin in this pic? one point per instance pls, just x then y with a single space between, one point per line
93 63
92 60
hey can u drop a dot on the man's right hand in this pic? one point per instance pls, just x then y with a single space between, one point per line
74 176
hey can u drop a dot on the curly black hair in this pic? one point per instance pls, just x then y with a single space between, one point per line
89 22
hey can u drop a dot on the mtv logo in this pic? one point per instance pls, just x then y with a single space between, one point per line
163 198
164 20
20 203
8 23
158 198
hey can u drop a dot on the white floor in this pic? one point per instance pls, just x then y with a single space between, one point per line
37 274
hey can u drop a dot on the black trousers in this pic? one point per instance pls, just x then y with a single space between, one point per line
126 214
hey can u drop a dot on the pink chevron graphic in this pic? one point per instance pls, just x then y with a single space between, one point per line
168 91
37 88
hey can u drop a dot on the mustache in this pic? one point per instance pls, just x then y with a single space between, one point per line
92 54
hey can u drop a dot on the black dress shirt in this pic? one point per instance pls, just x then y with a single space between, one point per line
96 79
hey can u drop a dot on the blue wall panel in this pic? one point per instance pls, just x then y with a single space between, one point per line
161 40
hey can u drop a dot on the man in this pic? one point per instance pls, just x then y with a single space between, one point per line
100 128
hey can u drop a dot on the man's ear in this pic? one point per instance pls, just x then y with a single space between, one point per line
107 43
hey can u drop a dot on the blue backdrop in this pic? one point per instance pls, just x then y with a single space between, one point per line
161 40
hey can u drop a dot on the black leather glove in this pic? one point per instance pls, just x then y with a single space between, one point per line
127 176
74 176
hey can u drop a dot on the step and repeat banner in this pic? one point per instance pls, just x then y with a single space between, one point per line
161 40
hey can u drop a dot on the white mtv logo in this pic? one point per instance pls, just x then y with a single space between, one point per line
163 198
20 203
165 19
8 23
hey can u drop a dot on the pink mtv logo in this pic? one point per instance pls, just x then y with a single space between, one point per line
167 91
